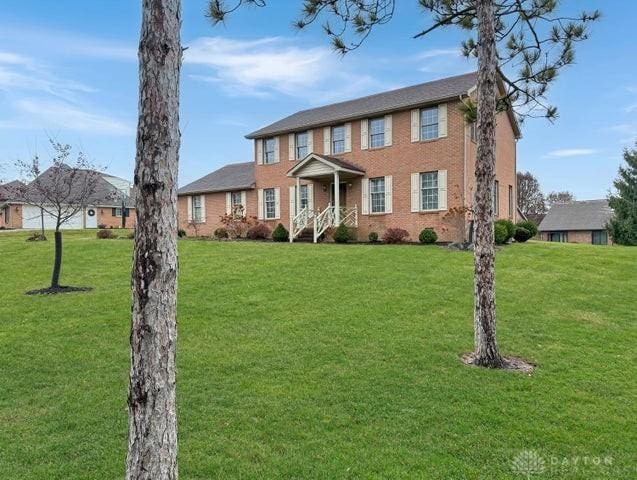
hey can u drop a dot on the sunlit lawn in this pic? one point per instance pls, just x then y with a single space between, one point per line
304 361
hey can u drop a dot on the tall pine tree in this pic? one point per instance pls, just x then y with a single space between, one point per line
623 225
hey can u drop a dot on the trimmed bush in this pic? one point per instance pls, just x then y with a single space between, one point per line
373 237
181 233
104 234
280 234
395 235
522 234
220 233
530 226
258 232
428 235
500 233
510 226
342 234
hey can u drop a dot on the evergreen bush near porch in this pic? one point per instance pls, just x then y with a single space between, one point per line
280 234
343 234
427 236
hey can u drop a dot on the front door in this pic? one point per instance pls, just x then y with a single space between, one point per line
342 194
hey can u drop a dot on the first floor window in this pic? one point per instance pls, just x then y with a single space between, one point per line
196 208
429 123
377 194
600 237
510 201
474 131
429 190
268 150
558 237
496 198
338 139
269 202
304 197
117 211
301 145
377 132
235 200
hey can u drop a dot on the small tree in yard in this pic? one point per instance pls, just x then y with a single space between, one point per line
62 191
623 225
522 43
557 198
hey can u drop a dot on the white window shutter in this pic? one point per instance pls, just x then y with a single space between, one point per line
310 196
292 203
388 130
365 196
364 134
415 192
203 209
189 202
259 150
442 120
228 203
348 137
277 203
327 140
388 194
310 141
244 203
291 147
415 125
276 149
260 204
442 189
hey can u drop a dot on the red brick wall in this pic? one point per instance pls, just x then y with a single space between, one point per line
576 236
215 209
15 216
105 217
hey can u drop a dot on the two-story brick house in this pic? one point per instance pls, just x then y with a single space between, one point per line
403 158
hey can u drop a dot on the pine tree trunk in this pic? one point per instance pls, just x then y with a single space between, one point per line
486 348
152 438
57 262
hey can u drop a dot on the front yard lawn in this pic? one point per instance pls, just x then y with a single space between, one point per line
328 361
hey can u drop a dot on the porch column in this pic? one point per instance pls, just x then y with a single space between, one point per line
297 203
337 199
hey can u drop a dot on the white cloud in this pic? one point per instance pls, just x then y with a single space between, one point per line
448 61
631 108
571 152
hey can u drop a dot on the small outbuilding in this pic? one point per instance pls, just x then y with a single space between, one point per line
577 222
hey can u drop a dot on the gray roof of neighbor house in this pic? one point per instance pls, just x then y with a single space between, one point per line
583 215
9 191
236 176
373 104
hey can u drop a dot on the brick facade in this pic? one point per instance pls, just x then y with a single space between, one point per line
575 236
105 217
11 216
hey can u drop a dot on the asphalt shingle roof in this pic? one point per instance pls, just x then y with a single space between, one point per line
373 104
236 176
583 215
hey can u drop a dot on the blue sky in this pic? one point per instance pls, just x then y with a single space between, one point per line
68 69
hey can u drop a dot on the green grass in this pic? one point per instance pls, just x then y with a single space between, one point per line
304 361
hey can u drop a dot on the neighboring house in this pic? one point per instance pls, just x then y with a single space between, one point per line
112 197
403 158
577 222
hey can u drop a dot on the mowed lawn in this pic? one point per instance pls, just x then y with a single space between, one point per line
305 361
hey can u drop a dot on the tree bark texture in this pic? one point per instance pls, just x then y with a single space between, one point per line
486 349
152 438
57 262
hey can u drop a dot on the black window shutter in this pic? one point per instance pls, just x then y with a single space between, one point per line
114 211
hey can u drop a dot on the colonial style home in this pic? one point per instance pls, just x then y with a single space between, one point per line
577 222
398 159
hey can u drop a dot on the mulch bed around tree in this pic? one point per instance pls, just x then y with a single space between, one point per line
510 363
60 289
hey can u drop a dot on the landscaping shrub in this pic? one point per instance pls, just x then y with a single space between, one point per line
428 235
36 237
530 226
101 226
105 234
510 226
500 233
220 233
258 232
238 226
280 234
342 234
181 233
522 234
395 235
373 237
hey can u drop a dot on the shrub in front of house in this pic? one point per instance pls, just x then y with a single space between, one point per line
395 235
427 236
522 234
280 234
101 226
104 234
373 237
258 232
181 233
530 226
220 233
510 226
342 234
500 233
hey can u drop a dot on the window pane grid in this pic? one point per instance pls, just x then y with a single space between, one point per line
338 139
304 200
268 200
377 132
429 123
429 190
377 194
301 145
268 151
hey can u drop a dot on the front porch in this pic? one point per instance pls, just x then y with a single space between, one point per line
334 206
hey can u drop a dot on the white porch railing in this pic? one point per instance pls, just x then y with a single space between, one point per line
349 216
300 222
327 219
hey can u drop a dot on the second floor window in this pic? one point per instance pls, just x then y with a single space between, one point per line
429 190
269 203
338 139
377 194
429 123
377 132
301 145
268 150
196 208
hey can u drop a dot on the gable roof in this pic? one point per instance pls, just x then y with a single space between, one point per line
235 176
583 215
334 162
399 99
9 191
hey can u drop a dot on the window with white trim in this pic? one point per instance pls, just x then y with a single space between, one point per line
474 131
196 208
237 207
304 197
429 191
269 203
377 132
301 145
377 195
429 123
496 197
268 150
510 201
338 139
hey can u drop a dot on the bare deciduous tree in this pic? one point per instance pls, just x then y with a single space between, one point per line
530 197
554 198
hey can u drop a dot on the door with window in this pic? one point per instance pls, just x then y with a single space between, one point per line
600 237
558 237
342 191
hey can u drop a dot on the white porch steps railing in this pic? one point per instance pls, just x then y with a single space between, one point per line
321 221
